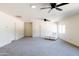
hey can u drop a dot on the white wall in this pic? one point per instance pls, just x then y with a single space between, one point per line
36 29
19 29
8 28
42 29
71 33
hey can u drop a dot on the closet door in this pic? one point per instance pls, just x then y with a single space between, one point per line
11 31
3 34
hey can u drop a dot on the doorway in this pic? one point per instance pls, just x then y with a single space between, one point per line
28 29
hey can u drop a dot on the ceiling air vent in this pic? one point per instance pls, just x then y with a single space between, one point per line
19 16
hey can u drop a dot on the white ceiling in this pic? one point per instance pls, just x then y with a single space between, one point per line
28 13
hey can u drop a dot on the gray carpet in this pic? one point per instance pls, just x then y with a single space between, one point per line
39 47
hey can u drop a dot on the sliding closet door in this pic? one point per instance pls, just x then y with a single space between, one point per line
11 31
4 32
3 35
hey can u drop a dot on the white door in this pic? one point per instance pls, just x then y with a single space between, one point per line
28 29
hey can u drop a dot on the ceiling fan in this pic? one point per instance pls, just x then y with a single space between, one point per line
54 6
45 20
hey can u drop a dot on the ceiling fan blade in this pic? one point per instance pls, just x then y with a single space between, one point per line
45 8
61 4
59 9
